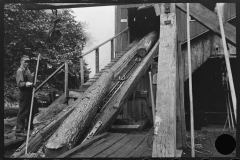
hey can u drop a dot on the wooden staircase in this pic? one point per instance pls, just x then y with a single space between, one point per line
75 93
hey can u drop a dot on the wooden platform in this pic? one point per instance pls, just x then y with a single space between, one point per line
119 145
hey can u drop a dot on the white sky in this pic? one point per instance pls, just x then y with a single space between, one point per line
101 25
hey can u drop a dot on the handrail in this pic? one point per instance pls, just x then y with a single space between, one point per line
81 60
104 42
49 77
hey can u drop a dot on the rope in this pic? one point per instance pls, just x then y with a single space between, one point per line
198 146
149 145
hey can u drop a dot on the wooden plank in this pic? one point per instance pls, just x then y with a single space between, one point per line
74 94
147 153
77 155
124 128
66 80
96 77
92 80
181 70
115 147
164 144
13 140
97 60
83 145
209 20
96 144
140 149
39 6
128 147
178 104
102 147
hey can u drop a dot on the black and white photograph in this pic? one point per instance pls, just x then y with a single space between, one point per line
120 79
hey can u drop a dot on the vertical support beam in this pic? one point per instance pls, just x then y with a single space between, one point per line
66 79
190 83
82 70
97 60
178 112
164 144
112 49
181 94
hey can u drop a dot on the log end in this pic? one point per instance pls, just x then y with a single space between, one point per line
141 52
53 153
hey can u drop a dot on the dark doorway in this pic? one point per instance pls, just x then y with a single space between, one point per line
208 94
141 22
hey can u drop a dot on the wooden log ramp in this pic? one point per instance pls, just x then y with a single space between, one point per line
68 133
114 107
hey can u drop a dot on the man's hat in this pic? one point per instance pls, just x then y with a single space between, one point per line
25 57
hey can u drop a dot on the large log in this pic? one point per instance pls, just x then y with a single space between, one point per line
113 108
74 126
149 41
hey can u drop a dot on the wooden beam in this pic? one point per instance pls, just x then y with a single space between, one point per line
164 144
109 114
209 20
181 71
83 145
39 6
66 80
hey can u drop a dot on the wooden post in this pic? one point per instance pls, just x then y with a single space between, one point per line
31 107
229 71
181 71
66 79
164 144
112 49
152 98
190 83
82 70
97 60
178 104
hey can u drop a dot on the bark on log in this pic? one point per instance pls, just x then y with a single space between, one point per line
74 126
149 41
59 101
113 108
45 130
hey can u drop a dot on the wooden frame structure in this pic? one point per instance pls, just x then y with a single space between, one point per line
170 129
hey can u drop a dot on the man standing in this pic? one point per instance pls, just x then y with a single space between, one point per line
24 80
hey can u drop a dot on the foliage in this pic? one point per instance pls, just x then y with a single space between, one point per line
25 33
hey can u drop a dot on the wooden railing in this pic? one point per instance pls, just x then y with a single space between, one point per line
81 63
96 49
54 73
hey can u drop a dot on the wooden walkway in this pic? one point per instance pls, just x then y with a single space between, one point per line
119 145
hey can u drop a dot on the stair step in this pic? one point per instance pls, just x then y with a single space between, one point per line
86 85
96 77
75 94
98 74
114 60
78 90
92 80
